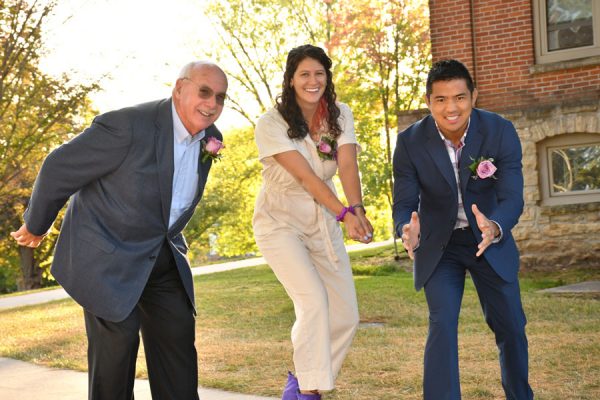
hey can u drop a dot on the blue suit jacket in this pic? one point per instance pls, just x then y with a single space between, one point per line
424 181
118 175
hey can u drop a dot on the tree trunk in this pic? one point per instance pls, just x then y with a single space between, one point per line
31 274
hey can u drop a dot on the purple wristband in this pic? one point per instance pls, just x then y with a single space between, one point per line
343 213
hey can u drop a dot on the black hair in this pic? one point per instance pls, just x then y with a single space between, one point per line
447 70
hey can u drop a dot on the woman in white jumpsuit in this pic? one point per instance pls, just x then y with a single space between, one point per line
302 142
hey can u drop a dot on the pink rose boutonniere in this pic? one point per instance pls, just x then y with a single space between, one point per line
211 148
327 148
483 168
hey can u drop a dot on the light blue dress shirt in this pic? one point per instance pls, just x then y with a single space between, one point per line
186 150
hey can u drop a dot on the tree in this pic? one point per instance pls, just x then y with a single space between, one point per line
383 52
38 112
254 39
228 202
380 50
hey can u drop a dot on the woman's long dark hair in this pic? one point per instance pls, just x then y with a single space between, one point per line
288 106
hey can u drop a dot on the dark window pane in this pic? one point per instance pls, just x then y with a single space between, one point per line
575 169
569 24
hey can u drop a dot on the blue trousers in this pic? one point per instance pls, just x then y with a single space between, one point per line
503 311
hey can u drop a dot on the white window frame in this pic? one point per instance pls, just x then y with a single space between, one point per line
543 56
545 148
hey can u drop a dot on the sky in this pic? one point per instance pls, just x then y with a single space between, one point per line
140 45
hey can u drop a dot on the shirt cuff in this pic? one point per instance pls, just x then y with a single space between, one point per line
418 242
417 246
499 237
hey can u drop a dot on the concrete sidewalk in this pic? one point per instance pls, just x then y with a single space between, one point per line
45 296
25 381
582 287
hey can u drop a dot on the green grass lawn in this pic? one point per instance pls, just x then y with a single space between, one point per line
244 322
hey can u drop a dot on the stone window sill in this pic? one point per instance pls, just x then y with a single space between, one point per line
560 65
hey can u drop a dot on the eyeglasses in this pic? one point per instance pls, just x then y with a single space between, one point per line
206 93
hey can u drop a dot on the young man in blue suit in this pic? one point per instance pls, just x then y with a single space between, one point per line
458 192
133 179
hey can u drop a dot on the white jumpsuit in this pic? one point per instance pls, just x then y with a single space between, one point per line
303 244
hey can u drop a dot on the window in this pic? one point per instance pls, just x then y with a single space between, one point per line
570 169
566 29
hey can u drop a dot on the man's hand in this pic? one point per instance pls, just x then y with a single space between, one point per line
411 233
26 238
489 230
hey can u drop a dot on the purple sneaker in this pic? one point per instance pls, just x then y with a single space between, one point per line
291 388
315 396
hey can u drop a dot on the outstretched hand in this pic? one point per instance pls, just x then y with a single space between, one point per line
26 238
411 233
489 230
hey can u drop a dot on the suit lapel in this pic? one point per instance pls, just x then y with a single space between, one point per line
163 142
203 167
470 151
437 150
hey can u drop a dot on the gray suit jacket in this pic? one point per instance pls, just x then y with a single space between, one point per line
118 174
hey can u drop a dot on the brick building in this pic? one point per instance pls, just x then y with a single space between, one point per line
537 63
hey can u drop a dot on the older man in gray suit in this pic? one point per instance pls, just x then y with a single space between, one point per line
134 178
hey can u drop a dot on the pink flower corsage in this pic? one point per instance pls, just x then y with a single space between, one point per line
327 148
211 148
483 168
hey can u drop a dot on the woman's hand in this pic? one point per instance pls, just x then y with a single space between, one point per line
358 226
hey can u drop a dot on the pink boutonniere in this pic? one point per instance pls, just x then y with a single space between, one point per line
327 148
483 168
211 148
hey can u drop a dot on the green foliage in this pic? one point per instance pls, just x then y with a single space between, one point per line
225 212
9 276
38 112
255 36
372 159
380 52
254 39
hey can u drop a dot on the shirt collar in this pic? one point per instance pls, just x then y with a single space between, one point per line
462 139
181 134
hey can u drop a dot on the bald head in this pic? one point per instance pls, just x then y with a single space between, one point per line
189 68
199 95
